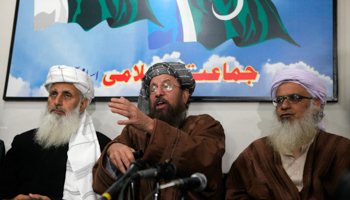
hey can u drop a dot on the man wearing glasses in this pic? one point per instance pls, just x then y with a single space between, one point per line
299 159
160 128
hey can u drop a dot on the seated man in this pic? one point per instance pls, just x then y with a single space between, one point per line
55 161
195 143
299 160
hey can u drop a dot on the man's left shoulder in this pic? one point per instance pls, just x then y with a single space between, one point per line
326 141
326 136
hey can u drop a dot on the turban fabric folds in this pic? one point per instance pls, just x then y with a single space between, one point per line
178 70
64 74
310 81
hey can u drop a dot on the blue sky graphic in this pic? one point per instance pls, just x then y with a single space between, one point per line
104 49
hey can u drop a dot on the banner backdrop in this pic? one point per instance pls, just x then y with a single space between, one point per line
232 47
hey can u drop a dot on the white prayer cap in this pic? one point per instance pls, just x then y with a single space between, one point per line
310 81
64 74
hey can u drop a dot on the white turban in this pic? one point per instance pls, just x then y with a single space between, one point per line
310 81
64 74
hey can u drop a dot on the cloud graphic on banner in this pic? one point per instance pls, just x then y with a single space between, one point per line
173 57
218 61
269 70
40 92
17 87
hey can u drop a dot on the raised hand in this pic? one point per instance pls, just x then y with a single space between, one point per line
136 117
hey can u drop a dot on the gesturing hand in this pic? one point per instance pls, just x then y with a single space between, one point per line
121 156
136 117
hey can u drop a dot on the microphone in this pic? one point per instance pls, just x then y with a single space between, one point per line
113 191
196 182
137 154
166 170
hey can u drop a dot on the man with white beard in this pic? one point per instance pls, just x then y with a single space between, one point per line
55 161
299 160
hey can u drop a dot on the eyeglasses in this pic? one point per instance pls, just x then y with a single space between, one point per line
291 98
165 86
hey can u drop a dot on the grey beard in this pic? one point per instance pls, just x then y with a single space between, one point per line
286 137
56 130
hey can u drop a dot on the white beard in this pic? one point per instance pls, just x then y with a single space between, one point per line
286 137
56 130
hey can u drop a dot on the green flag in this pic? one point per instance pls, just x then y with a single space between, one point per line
246 22
89 13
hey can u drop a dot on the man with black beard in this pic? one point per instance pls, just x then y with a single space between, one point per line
173 115
160 128
299 160
55 161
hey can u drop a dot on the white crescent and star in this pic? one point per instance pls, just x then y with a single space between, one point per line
231 15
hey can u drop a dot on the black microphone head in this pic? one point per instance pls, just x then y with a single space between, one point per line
138 154
135 166
139 164
167 170
203 181
162 170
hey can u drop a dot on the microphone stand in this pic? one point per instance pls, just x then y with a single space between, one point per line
156 187
131 191
182 194
127 190
137 155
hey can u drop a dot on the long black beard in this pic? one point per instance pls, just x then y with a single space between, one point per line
175 115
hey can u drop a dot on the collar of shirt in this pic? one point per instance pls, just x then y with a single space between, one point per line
304 149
